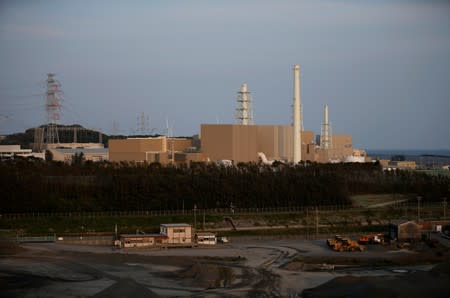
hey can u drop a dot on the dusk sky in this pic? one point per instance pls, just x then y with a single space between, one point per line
383 67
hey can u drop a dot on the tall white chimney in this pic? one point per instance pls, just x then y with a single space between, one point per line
296 116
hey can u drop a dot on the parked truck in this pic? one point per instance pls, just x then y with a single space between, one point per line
371 239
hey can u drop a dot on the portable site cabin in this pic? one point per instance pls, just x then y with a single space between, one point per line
144 240
205 238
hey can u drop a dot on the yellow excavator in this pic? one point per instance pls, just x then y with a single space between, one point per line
340 243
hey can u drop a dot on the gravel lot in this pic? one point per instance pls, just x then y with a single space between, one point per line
244 267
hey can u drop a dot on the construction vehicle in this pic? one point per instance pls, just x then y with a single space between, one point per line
340 243
371 239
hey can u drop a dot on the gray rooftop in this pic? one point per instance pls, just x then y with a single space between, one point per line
142 235
176 225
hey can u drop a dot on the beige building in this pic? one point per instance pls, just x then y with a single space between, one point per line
12 151
177 233
234 142
241 143
66 151
403 165
341 147
153 149
141 240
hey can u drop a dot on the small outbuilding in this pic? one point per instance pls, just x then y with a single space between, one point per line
205 238
405 231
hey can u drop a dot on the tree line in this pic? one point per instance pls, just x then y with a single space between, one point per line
39 186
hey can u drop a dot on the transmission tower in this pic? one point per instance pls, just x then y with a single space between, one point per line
142 124
244 113
53 107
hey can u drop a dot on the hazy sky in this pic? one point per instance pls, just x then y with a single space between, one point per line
383 67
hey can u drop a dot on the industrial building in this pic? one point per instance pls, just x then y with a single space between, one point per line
244 141
13 151
241 143
154 149
398 164
66 151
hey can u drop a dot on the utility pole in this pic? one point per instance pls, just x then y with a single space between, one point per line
445 207
195 217
418 209
307 223
317 222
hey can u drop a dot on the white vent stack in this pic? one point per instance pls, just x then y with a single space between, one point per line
297 115
244 113
325 135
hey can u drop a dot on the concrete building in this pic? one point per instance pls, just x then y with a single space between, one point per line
241 143
12 151
154 149
179 233
65 151
403 165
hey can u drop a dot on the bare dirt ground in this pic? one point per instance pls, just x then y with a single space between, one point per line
242 268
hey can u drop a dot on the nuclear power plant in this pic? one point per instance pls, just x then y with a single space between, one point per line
245 141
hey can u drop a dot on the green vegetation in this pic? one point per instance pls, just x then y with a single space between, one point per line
276 223
435 172
374 199
26 139
310 232
37 186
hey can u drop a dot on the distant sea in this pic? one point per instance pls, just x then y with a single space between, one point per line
420 156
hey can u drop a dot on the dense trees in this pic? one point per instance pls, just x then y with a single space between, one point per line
30 186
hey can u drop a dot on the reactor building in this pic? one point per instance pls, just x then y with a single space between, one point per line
290 143
245 141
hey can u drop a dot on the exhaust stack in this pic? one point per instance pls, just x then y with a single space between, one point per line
296 116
